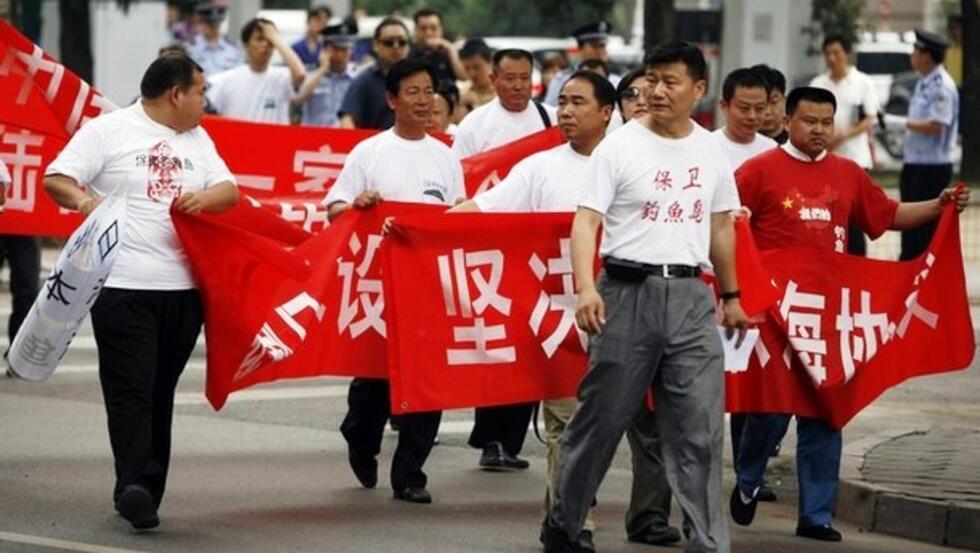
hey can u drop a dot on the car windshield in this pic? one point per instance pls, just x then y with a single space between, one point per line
883 63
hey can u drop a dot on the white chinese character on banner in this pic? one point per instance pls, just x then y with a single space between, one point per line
24 168
268 346
455 280
370 297
565 302
32 64
320 167
312 215
873 326
803 330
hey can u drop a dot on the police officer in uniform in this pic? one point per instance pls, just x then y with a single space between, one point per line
325 86
930 134
210 49
591 38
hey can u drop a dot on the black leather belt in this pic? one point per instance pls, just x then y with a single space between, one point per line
634 271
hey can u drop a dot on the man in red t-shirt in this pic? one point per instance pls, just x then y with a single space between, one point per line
799 194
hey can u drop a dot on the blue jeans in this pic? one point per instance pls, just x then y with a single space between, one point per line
818 453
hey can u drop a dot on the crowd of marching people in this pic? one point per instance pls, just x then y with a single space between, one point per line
631 148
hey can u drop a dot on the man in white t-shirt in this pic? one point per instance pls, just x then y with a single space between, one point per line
662 189
258 91
401 164
744 101
857 109
509 116
149 314
23 256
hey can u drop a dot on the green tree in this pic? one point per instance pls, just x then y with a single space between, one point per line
830 17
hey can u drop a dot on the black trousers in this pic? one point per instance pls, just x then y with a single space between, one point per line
919 182
369 406
506 424
23 254
144 338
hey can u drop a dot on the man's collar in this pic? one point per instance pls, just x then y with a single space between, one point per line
795 152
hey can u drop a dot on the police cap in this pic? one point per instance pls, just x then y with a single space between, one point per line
597 31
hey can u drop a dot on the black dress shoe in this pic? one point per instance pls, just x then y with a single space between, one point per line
495 458
413 495
742 513
555 540
136 505
823 532
365 468
660 535
765 493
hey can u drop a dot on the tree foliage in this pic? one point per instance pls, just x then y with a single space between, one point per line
833 17
502 17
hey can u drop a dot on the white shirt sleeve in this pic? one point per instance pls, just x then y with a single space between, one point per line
4 174
726 193
217 170
514 193
84 156
458 191
602 182
352 179
285 78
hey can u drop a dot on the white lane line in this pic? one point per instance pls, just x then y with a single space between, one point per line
62 544
265 394
456 427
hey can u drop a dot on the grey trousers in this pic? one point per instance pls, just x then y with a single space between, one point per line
650 496
658 332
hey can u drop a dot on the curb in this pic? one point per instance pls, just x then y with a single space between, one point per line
882 509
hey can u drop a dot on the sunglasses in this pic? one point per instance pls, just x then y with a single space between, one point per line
632 93
394 42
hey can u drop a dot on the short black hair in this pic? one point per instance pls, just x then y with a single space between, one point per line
681 51
625 83
745 78
602 89
252 26
167 71
775 77
448 90
388 22
319 10
592 65
406 68
512 53
837 38
476 47
809 94
426 12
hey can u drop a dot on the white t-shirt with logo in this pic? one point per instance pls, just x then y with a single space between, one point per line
551 180
657 194
855 92
127 153
490 125
740 153
241 93
401 170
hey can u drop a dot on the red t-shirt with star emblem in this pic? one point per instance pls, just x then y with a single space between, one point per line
794 202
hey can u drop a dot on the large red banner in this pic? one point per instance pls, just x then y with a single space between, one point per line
463 310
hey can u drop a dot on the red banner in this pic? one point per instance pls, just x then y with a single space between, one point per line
280 303
848 328
41 105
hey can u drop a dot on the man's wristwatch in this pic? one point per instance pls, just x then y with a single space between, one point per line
733 295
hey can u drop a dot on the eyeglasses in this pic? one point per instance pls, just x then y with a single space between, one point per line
632 93
394 42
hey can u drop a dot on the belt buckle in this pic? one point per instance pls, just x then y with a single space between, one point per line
665 272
